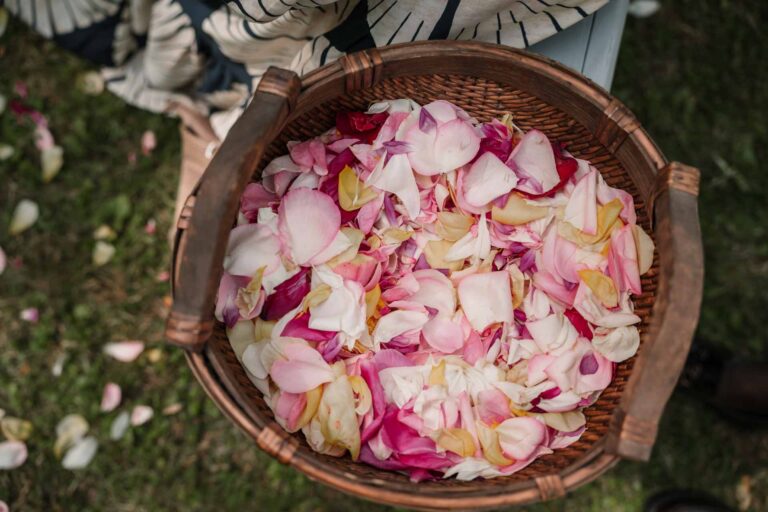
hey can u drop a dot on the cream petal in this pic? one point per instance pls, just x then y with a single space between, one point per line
251 247
486 299
618 344
487 178
476 246
103 252
401 384
81 453
565 421
553 334
125 351
119 426
24 216
396 323
645 248
51 161
397 177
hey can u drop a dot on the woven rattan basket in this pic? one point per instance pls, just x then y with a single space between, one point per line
487 81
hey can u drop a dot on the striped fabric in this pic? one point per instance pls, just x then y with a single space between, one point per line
210 54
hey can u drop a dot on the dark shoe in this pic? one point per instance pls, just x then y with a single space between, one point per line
735 388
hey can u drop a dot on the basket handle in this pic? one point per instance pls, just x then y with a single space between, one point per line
634 425
207 216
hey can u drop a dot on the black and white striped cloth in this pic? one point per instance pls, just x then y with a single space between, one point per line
211 54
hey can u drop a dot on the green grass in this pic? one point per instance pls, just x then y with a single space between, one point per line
694 74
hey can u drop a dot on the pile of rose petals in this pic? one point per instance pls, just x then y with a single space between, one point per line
432 294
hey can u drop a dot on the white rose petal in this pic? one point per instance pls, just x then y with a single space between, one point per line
119 426
102 253
24 216
81 454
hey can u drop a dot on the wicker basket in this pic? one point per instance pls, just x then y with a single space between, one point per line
486 81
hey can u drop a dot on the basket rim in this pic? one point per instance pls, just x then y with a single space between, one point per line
315 87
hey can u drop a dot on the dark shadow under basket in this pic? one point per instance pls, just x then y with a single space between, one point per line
487 81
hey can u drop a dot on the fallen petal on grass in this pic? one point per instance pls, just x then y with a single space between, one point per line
31 315
24 216
15 429
170 410
110 397
102 253
58 364
104 232
119 426
125 351
154 355
81 453
150 227
6 152
12 454
51 160
161 276
148 142
91 83
69 431
141 414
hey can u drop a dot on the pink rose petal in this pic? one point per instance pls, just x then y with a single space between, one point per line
309 221
302 370
443 335
581 210
534 159
520 437
31 315
110 397
141 414
487 179
12 454
148 142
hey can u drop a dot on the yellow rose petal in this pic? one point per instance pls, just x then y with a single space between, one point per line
353 194
518 211
435 252
601 285
458 441
452 226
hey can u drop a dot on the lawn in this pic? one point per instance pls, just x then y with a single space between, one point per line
694 74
